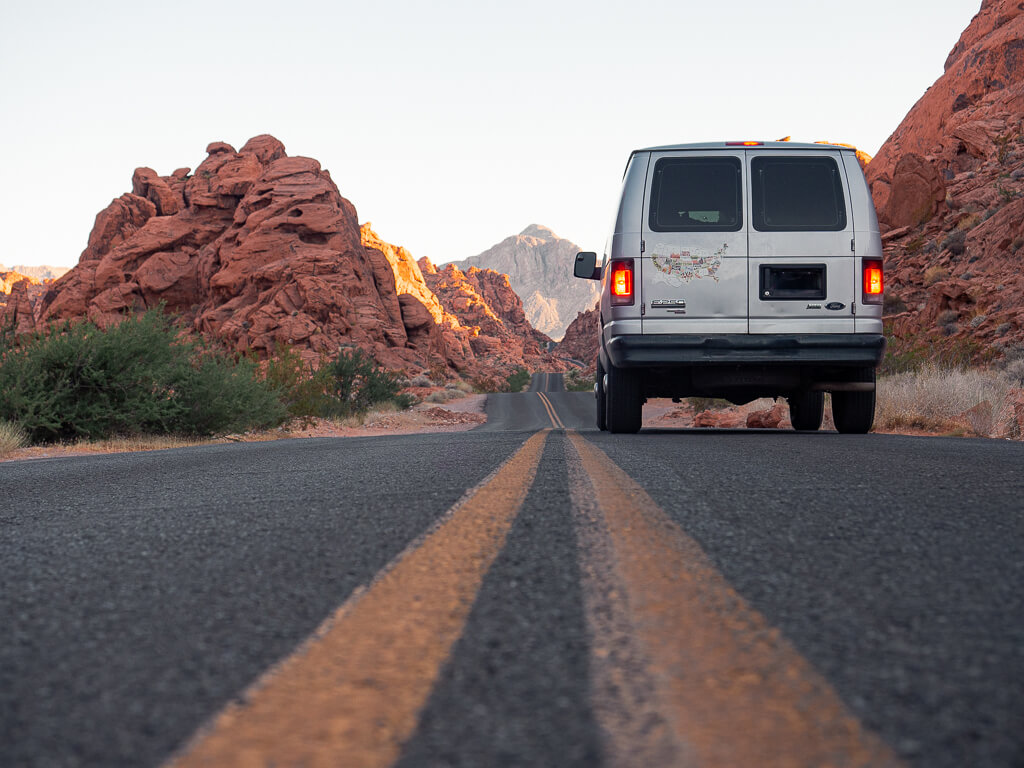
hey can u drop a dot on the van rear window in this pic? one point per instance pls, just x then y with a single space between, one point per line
797 194
696 194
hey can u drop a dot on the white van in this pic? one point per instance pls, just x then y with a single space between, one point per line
741 270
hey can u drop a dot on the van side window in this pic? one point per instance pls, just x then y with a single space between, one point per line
797 194
697 194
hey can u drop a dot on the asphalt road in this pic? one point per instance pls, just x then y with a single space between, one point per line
533 592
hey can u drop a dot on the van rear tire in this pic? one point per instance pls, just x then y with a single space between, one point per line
854 412
602 404
806 410
625 404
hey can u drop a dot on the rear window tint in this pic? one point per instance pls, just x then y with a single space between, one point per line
696 194
797 194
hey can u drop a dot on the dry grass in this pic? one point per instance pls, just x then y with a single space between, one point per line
942 400
935 273
12 437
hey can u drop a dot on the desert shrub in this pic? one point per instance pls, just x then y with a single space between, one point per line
1002 143
420 381
355 383
438 372
934 398
969 221
934 274
892 304
444 396
1005 194
300 387
516 380
12 437
914 245
1012 365
578 381
707 404
76 380
955 242
487 384
220 394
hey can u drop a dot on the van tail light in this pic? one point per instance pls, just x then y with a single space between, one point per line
622 282
873 281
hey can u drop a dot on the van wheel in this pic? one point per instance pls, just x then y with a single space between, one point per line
602 404
624 402
806 410
854 412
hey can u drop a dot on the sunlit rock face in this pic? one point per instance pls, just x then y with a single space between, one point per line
539 266
483 301
580 340
258 249
948 186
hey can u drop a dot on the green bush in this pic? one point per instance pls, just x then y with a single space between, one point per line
516 380
355 383
578 381
301 388
75 380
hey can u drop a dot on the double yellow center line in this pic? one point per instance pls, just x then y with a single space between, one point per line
684 671
556 422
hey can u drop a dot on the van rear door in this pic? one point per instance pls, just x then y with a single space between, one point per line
802 276
693 270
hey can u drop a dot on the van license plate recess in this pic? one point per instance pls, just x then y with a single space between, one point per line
792 282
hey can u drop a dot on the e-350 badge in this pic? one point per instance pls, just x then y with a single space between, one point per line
672 306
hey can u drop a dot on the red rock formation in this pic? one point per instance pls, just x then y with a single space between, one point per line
727 418
580 340
776 417
20 296
17 307
949 188
257 248
483 301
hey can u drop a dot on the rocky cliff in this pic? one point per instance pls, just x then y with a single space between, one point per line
949 189
40 272
580 340
539 266
257 248
484 301
20 294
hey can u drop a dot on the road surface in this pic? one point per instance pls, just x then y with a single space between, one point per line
533 592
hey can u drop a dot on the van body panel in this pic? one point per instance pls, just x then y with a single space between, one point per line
631 205
688 274
831 249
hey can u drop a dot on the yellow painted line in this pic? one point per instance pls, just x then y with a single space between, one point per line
730 689
353 693
555 421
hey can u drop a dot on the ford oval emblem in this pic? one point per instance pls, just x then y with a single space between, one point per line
835 306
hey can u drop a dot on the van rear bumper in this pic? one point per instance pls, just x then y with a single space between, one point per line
677 349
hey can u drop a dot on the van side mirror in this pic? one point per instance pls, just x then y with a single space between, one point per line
586 266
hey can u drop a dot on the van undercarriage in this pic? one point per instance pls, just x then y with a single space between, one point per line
741 368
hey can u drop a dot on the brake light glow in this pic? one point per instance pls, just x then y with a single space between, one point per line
622 282
744 143
874 281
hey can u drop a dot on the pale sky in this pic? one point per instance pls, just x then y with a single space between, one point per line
449 125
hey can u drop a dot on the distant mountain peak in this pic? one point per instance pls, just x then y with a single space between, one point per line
538 231
539 268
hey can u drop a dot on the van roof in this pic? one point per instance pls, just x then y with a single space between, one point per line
733 145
